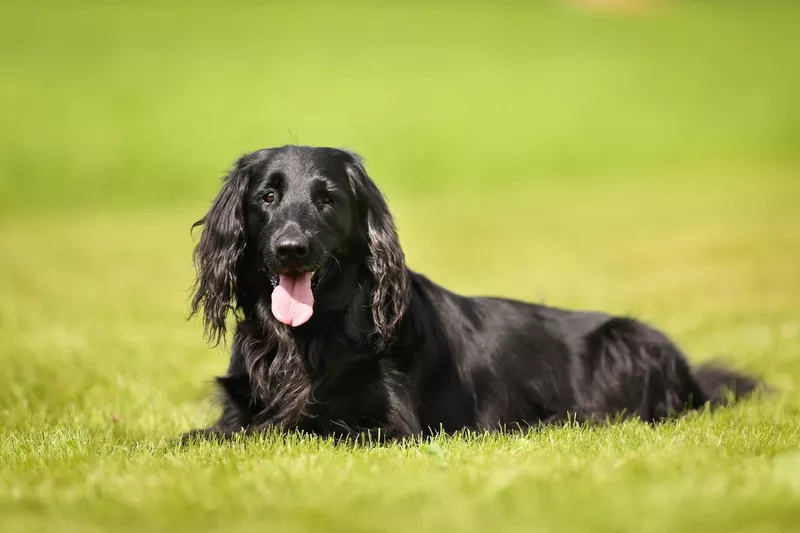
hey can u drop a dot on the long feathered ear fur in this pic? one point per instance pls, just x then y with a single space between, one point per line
391 292
220 249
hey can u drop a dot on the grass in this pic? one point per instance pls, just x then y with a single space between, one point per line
639 164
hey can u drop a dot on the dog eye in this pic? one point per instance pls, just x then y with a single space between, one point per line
325 197
269 197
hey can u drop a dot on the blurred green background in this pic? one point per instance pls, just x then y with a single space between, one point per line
641 160
145 103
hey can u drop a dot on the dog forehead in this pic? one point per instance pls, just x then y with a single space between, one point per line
300 163
291 162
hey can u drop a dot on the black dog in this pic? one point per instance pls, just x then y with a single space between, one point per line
336 336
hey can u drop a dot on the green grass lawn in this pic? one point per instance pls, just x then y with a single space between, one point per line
646 165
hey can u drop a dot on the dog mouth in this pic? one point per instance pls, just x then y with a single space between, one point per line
275 278
293 295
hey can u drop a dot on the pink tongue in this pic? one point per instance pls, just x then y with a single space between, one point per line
292 299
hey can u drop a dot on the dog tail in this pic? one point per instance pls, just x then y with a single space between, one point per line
720 385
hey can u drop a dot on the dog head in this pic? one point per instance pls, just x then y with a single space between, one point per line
290 225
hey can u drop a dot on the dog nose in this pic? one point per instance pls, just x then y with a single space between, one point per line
291 249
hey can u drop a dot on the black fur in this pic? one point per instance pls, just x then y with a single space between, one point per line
387 349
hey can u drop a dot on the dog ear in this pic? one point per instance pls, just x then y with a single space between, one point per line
391 291
220 249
